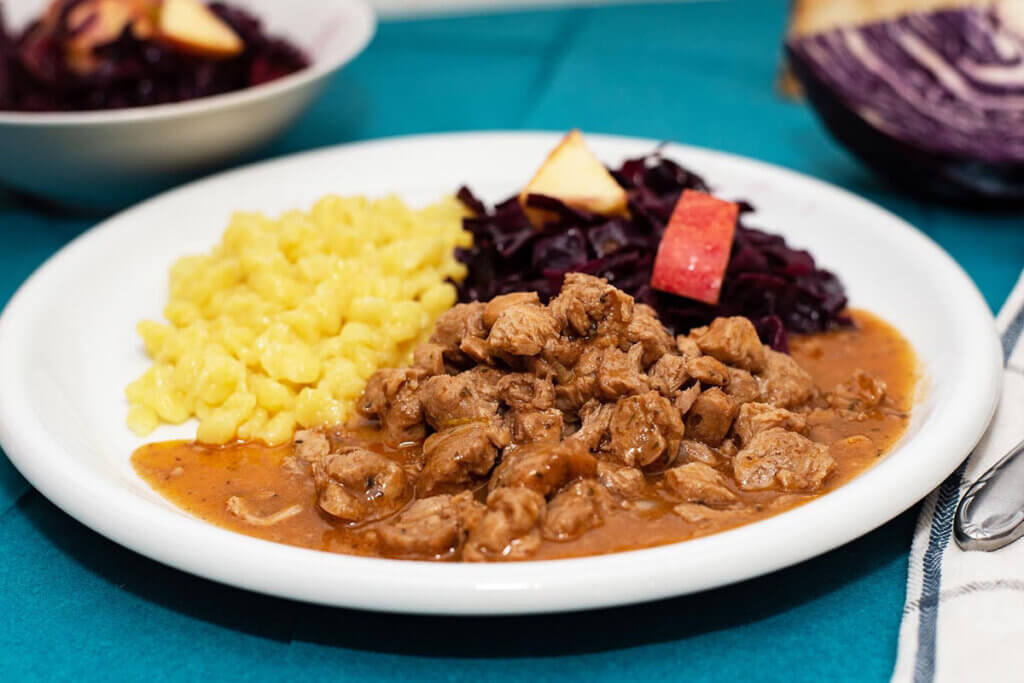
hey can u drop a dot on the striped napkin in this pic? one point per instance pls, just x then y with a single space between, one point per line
964 615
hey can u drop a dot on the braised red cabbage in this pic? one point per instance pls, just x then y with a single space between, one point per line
934 101
35 76
779 288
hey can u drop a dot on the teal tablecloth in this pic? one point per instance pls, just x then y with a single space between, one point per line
76 606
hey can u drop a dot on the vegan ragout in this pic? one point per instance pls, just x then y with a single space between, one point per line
629 365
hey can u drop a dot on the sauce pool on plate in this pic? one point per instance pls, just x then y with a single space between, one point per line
242 485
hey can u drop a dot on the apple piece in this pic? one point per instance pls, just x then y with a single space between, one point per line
93 23
694 251
572 174
191 27
146 18
143 28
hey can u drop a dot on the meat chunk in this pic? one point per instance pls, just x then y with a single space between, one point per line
522 330
709 371
697 451
783 382
357 485
668 374
310 445
711 416
494 307
742 386
575 510
459 455
484 381
628 482
596 421
549 370
621 374
695 513
509 529
754 418
543 467
392 396
697 482
580 384
588 305
862 391
429 358
684 399
432 528
687 347
448 400
521 391
733 341
563 351
455 325
645 329
784 460
529 426
645 430
477 350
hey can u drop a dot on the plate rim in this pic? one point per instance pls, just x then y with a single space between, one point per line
514 588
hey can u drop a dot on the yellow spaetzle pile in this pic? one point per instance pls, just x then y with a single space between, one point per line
284 321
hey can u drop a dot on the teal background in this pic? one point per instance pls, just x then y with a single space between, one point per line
76 606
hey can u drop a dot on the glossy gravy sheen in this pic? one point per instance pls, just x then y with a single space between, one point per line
200 479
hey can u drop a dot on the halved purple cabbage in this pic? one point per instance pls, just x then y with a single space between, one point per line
779 288
934 101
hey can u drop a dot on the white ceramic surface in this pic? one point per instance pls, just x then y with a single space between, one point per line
68 348
110 158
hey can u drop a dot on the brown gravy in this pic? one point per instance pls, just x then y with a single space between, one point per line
200 479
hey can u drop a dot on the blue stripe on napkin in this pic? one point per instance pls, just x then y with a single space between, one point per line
1012 334
942 527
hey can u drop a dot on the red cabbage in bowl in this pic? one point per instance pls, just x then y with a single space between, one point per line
778 287
130 72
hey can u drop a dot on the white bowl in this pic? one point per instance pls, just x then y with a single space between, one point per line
68 348
112 157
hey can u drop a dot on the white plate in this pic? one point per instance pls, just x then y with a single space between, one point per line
68 348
